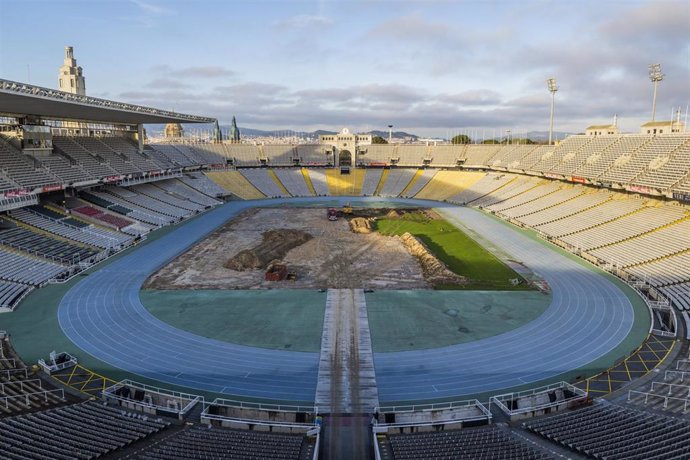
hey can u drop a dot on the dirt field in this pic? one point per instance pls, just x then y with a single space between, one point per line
334 258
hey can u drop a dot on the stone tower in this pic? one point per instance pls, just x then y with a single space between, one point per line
234 135
174 130
217 135
71 78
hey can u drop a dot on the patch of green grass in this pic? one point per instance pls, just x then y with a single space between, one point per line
460 253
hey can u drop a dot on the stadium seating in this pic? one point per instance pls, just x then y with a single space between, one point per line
169 153
203 184
61 225
371 181
469 443
264 181
22 169
312 155
206 442
191 192
608 431
21 391
12 293
418 182
279 155
236 184
244 154
446 155
294 182
87 430
318 180
447 184
23 268
43 245
396 182
345 184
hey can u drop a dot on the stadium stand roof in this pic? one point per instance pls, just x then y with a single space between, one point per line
21 99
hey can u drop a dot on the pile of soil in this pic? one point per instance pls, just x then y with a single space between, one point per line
361 224
435 272
273 247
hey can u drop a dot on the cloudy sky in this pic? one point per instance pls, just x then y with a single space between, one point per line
431 67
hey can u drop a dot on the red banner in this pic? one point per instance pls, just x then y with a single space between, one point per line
52 188
16 193
579 180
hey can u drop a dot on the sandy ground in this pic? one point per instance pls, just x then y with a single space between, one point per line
334 258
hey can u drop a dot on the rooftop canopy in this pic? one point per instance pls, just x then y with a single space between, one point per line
21 99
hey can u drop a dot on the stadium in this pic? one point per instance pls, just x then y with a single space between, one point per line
189 296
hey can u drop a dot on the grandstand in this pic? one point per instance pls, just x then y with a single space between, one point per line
618 201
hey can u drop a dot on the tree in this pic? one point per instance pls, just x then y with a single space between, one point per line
490 141
522 140
461 139
378 140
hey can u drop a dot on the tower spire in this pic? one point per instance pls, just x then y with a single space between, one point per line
234 131
71 78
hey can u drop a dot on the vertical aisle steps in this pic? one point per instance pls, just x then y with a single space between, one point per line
280 185
307 179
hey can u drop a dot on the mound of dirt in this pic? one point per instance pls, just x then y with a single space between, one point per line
434 270
274 245
361 224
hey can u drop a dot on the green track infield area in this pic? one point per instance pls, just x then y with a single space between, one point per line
286 319
412 320
460 253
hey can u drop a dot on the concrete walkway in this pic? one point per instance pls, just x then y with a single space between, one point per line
346 380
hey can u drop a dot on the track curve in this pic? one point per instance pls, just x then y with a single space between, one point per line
102 315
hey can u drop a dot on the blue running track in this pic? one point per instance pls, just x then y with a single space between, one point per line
102 315
587 318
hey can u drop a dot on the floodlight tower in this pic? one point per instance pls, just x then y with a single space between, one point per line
655 76
390 134
553 87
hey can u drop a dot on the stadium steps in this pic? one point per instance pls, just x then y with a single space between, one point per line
283 189
382 182
307 179
236 183
409 186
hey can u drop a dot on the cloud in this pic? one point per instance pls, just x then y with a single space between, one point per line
659 22
413 28
304 21
152 8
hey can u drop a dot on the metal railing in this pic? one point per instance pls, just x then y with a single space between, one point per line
190 400
664 398
578 394
261 406
27 397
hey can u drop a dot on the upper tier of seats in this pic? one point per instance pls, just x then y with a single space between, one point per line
660 162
